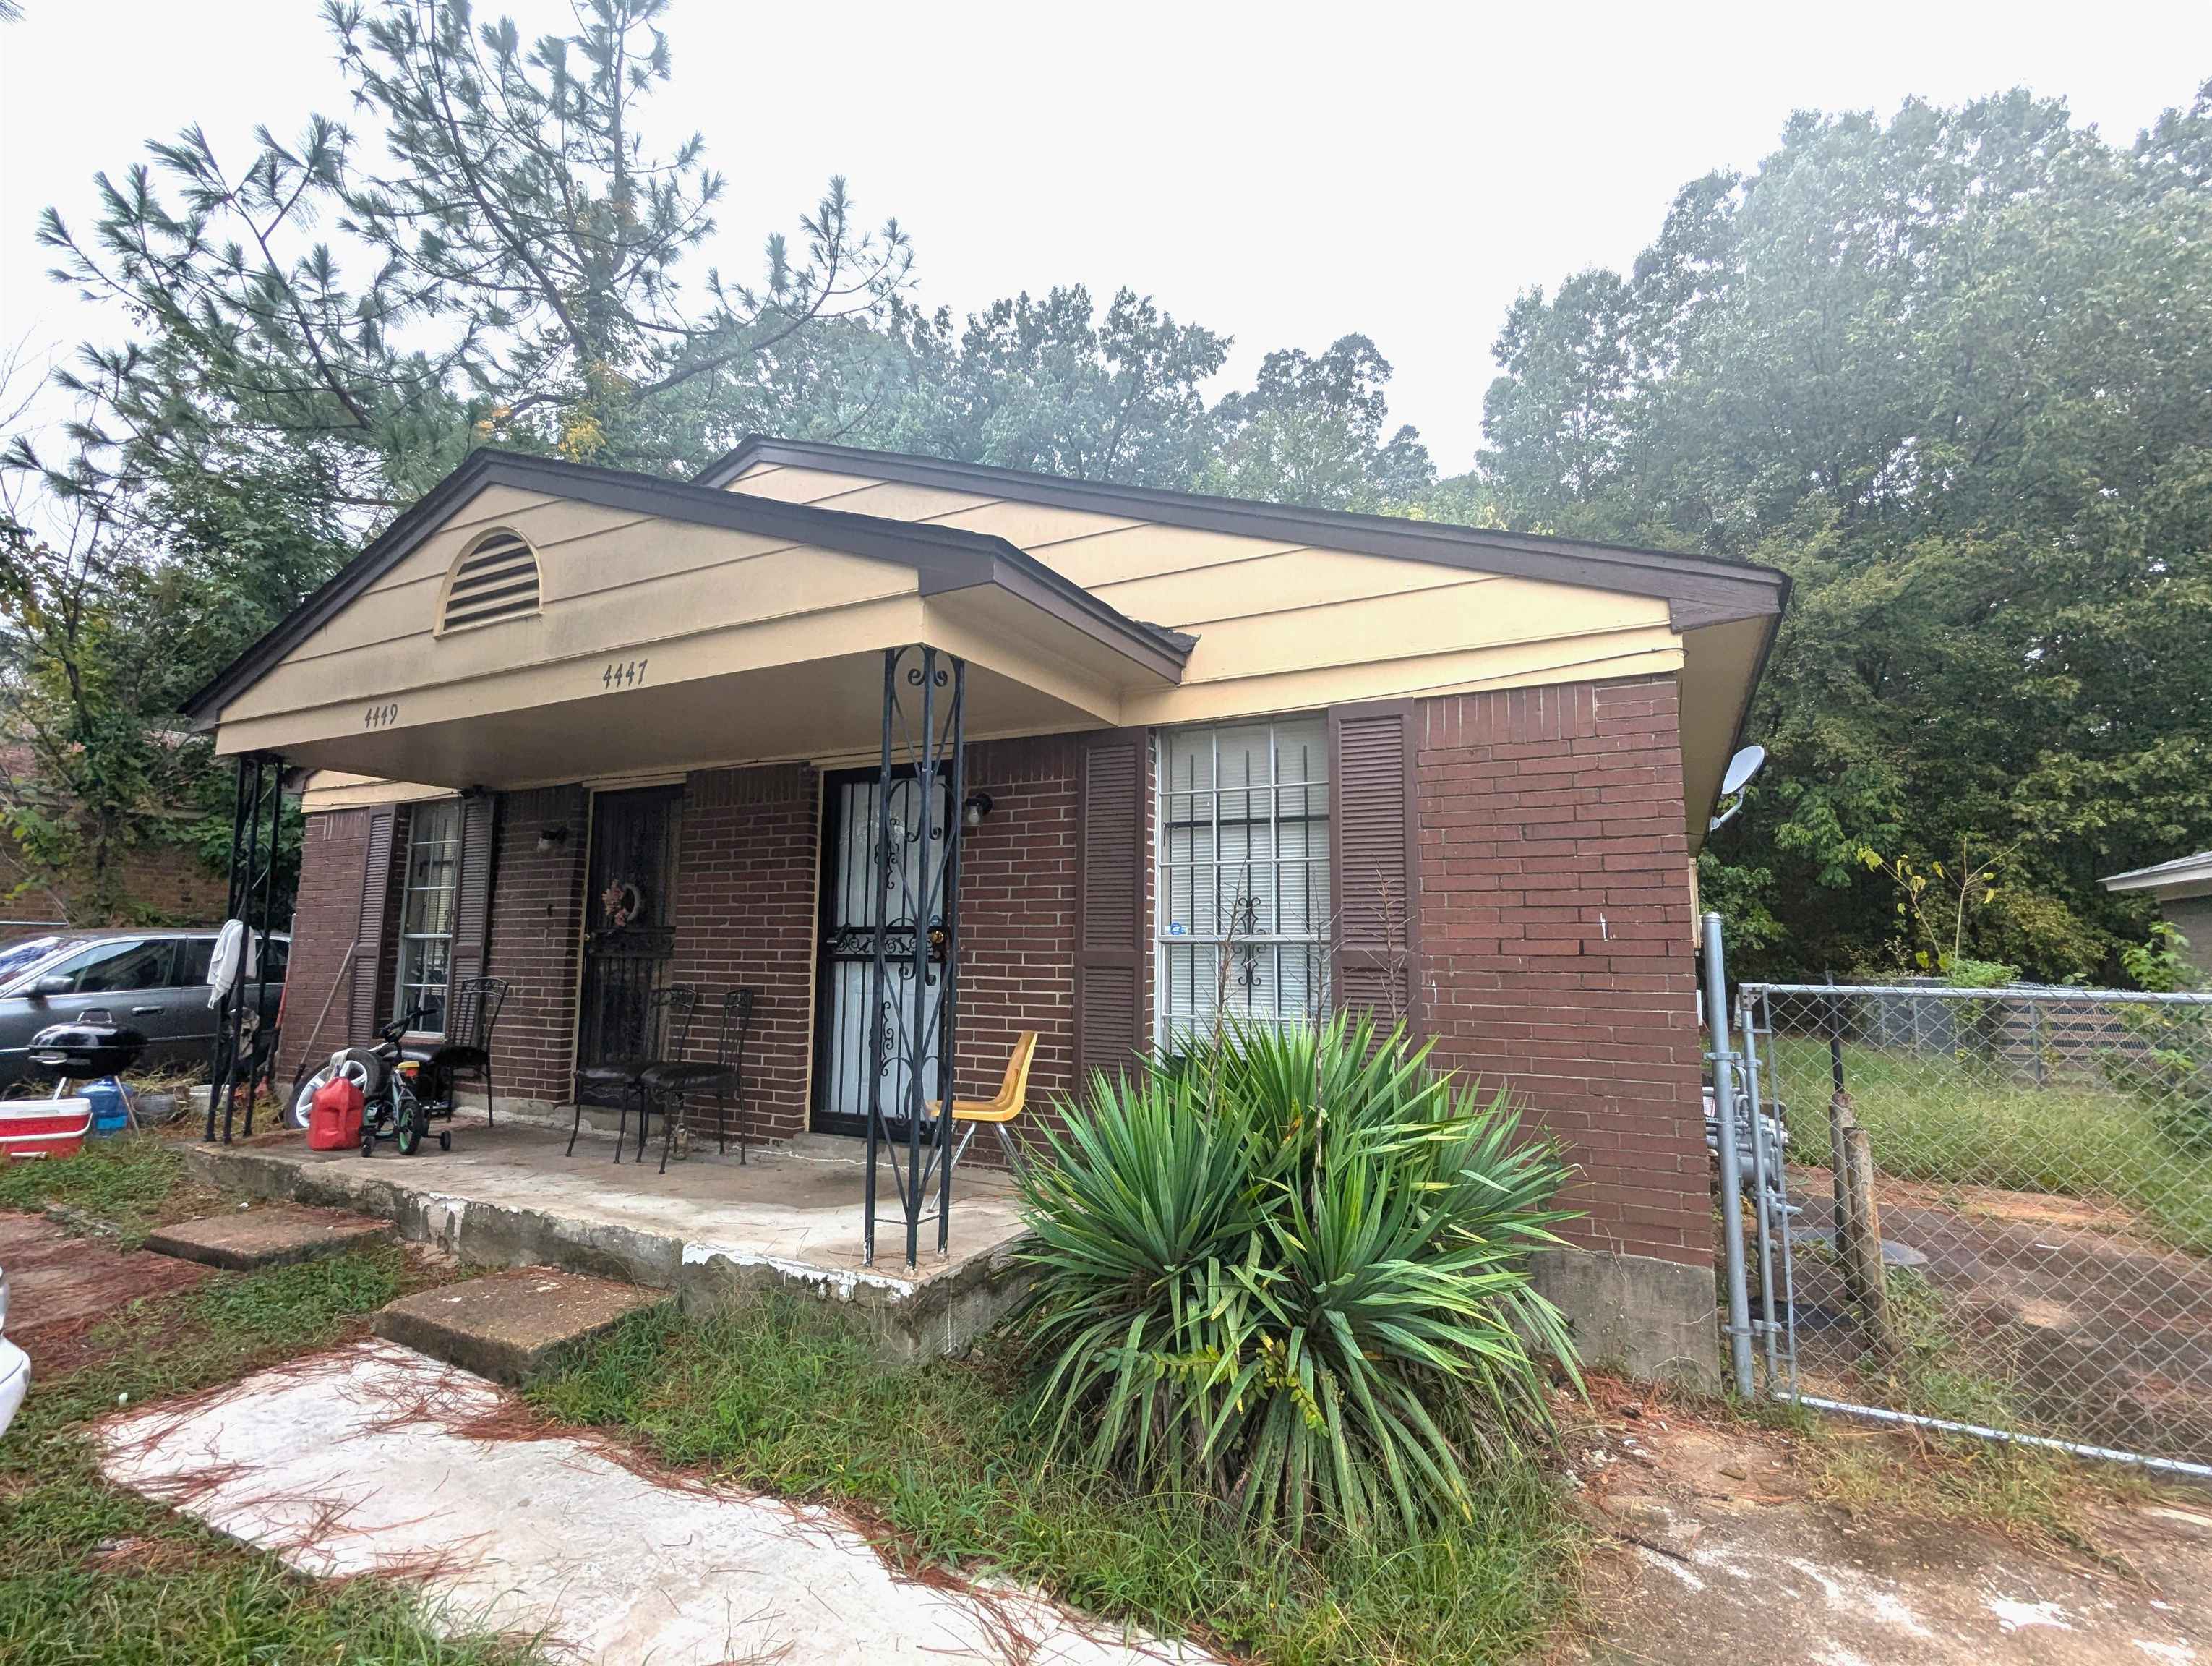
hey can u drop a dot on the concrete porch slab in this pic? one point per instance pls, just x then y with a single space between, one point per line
244 1239
512 1326
709 1230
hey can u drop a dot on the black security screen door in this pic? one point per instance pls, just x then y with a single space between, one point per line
629 934
853 891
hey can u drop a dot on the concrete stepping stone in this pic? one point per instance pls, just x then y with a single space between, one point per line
246 1239
509 1326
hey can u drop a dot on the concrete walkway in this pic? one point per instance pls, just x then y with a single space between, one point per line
374 1459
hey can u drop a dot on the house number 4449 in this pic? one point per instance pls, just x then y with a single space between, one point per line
622 674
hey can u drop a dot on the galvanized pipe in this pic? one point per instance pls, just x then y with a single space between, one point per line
1739 1299
2003 1436
1786 1319
1762 1185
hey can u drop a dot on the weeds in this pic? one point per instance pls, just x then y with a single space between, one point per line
94 1575
1952 1121
942 1461
2039 1497
125 1180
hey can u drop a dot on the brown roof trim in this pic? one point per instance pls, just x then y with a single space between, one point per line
947 557
1698 591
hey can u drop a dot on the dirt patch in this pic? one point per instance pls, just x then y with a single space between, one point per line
1717 1548
61 1286
2079 1328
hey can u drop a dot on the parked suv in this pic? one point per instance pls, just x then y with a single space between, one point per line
154 981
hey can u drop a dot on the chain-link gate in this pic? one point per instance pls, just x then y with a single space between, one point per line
1990 1208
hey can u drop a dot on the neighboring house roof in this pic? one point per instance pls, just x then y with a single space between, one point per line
1699 591
2185 876
947 557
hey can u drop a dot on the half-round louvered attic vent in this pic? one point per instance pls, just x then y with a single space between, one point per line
495 577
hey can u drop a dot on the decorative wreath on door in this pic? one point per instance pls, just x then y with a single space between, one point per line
621 903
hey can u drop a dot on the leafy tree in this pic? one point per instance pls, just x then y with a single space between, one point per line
1310 431
1049 384
1947 370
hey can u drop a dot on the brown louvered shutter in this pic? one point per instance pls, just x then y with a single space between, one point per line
1374 859
1110 1021
472 897
368 955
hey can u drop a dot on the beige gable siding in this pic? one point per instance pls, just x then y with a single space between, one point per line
1284 625
610 583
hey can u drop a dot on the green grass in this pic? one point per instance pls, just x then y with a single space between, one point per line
94 1576
1966 1121
779 1394
124 1179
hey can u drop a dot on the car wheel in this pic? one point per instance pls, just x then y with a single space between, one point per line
302 1101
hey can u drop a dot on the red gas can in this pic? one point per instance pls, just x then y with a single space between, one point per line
334 1115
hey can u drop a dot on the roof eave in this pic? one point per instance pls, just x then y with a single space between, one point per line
1699 590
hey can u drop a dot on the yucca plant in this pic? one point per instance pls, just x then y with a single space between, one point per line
1291 1271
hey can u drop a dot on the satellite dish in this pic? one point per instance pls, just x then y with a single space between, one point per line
1742 768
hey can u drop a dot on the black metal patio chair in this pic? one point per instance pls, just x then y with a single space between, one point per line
681 1080
473 1008
667 1012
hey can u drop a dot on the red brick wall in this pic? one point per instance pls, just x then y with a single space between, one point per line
333 850
746 917
1556 938
1017 919
535 937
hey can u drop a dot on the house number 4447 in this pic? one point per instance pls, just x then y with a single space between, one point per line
622 674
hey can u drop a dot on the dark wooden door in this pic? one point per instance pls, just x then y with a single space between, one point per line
629 928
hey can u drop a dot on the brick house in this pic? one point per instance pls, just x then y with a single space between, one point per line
1307 757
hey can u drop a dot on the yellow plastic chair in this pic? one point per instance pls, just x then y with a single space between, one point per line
1002 1106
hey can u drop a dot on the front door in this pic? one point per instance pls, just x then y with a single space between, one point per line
853 900
629 931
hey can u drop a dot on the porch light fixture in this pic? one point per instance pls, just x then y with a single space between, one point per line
551 838
975 808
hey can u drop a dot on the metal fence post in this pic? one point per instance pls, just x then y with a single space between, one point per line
1724 1062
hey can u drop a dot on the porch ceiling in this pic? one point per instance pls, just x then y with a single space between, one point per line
818 709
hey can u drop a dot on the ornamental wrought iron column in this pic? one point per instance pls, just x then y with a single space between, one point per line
914 982
251 900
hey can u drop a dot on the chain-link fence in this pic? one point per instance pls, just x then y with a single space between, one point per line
1991 1206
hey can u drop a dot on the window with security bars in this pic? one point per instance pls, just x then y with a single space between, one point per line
1244 922
426 911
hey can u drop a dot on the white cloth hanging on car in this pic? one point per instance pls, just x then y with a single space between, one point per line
237 953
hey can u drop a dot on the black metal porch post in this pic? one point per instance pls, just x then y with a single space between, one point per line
263 1034
878 1008
956 827
252 893
920 899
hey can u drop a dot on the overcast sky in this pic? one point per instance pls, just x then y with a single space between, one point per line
1284 173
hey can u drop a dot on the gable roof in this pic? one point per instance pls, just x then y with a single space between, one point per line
946 557
2195 870
1698 590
